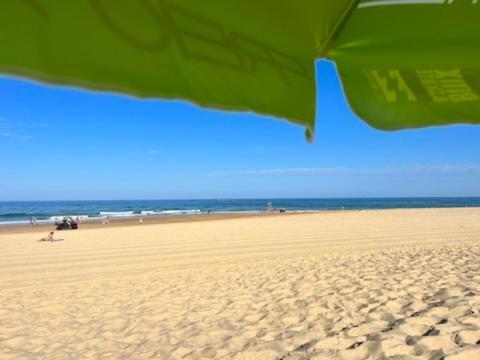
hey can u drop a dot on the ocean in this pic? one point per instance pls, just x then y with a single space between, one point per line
19 212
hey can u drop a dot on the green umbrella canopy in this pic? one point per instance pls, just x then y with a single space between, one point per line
403 63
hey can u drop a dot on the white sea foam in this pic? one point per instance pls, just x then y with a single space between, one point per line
117 213
60 217
23 222
170 212
178 212
14 223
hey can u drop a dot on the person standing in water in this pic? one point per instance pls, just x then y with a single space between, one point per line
269 207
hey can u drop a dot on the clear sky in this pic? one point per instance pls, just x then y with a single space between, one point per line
60 143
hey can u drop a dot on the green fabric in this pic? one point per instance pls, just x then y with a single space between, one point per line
402 65
408 66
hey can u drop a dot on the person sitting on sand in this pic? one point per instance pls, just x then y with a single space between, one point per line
49 237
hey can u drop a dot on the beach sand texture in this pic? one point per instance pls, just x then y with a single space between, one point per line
386 284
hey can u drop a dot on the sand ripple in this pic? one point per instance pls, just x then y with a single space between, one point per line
408 301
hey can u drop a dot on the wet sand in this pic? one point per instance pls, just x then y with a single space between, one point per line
399 284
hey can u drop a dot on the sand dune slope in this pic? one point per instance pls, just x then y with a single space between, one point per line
399 284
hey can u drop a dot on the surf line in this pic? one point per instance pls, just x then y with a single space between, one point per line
407 2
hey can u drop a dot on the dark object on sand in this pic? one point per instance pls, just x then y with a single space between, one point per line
68 223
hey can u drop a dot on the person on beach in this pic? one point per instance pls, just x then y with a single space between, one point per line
140 220
33 221
106 220
66 223
269 207
49 237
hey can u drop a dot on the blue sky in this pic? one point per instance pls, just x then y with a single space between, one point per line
58 143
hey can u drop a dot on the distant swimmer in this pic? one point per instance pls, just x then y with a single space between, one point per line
33 221
140 220
106 220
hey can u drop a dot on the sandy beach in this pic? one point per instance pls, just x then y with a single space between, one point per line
377 284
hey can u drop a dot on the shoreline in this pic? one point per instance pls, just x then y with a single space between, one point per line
191 218
147 220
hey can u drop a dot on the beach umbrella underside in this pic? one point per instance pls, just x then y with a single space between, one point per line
403 63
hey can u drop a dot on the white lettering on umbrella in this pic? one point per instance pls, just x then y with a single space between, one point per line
446 85
389 85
